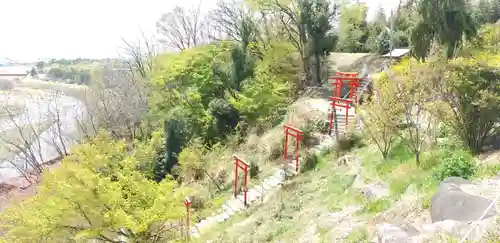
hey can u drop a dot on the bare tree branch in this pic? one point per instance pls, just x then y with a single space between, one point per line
182 28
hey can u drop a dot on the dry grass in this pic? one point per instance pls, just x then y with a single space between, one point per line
72 90
343 61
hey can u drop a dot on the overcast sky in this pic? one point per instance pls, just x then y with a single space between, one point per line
35 29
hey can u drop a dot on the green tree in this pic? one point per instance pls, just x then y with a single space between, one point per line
403 20
487 11
380 115
413 95
40 65
242 61
176 136
99 193
495 11
379 39
353 28
319 32
306 24
447 22
471 97
264 98
33 72
483 11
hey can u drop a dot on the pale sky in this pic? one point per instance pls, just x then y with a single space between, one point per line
35 29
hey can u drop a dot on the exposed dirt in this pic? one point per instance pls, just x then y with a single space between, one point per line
17 189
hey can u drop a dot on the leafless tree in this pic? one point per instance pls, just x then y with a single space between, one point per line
182 28
233 20
117 98
58 138
138 56
22 143
116 102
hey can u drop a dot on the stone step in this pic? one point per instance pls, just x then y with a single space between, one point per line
341 117
290 169
259 189
342 126
280 176
234 205
228 209
273 181
252 195
265 184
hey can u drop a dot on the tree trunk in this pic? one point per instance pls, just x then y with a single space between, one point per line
318 69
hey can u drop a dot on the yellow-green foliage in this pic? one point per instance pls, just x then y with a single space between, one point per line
380 115
487 39
467 87
189 79
95 192
191 161
266 95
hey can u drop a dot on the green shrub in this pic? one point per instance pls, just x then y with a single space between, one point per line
458 163
448 138
358 235
433 158
348 142
221 177
310 161
376 206
312 127
308 138
277 149
254 169
197 202
400 151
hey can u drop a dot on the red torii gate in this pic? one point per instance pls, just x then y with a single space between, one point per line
187 203
298 135
239 163
354 83
347 74
342 103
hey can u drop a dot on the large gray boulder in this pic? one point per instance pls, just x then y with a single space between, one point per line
451 203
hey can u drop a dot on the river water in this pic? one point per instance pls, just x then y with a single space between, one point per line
36 110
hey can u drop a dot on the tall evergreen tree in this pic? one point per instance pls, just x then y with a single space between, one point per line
494 11
379 39
175 138
447 22
353 28
321 39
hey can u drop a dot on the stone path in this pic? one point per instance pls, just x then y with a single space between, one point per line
271 184
234 205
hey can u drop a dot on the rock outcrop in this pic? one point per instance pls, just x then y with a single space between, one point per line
451 203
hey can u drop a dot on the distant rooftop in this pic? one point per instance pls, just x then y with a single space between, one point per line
14 70
398 53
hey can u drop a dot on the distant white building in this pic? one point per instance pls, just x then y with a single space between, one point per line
397 53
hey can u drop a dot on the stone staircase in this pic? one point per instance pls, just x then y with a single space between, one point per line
363 87
263 191
354 121
353 124
270 185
